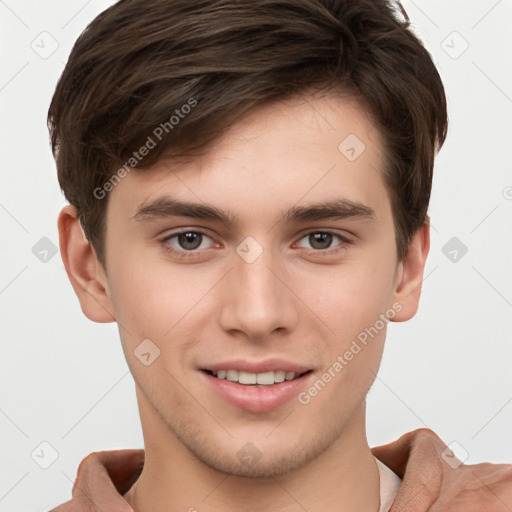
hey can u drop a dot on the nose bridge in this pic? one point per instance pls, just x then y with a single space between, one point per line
257 302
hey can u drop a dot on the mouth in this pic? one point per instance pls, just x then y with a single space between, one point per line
257 387
262 379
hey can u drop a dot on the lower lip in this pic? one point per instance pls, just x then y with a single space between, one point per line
257 399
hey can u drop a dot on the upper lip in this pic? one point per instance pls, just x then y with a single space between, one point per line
266 365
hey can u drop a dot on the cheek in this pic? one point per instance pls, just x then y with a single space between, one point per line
155 297
353 296
341 388
164 304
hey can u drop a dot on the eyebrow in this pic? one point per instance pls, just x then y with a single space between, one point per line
333 209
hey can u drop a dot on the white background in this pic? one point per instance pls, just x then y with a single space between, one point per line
64 380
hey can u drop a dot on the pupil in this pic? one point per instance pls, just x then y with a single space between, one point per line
323 239
189 240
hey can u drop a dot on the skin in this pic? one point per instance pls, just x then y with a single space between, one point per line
301 300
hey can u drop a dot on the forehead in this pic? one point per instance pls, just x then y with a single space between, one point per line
303 149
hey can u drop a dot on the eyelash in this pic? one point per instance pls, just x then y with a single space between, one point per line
195 253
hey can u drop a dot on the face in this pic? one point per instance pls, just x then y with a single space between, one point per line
270 258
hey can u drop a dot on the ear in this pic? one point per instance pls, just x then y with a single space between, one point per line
85 272
410 275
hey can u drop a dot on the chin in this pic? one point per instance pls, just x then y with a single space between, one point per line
269 462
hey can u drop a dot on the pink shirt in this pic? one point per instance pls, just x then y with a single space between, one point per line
389 485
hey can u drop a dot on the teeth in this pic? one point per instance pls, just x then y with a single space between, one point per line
263 379
247 378
279 376
232 375
266 378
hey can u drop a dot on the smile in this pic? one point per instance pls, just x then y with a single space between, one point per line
258 392
268 378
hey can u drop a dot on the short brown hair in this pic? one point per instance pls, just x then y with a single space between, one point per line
141 61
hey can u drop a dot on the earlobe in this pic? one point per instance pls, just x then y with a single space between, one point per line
83 268
410 275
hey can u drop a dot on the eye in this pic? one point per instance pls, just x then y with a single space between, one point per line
322 240
186 241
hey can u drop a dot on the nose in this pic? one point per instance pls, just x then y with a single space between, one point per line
257 300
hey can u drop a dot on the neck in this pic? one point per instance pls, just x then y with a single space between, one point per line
342 478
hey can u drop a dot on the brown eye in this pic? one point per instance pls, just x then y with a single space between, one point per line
190 240
323 240
320 240
187 243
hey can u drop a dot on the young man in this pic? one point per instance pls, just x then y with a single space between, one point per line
248 187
